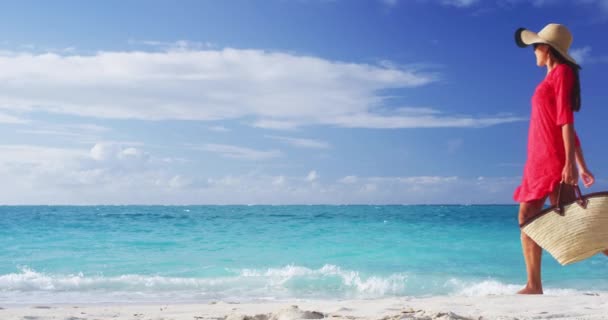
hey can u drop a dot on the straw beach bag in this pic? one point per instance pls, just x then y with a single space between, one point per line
572 231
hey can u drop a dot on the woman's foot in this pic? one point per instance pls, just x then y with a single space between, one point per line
530 290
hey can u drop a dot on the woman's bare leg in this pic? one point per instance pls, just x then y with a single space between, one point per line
532 251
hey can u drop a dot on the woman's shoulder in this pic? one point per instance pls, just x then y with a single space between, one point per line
561 71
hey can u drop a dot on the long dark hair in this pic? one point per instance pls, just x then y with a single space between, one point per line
576 90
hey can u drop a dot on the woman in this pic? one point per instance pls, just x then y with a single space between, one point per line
553 146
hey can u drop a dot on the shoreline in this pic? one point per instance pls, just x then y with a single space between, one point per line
583 306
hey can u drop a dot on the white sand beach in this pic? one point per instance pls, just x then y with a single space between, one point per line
583 306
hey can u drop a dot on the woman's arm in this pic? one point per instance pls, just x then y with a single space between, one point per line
569 173
564 83
586 175
580 159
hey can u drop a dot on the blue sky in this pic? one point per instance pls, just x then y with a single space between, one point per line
280 101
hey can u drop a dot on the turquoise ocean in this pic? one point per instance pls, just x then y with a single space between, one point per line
174 254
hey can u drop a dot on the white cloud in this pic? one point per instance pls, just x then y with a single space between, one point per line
179 182
26 171
131 153
542 3
580 54
390 3
101 152
237 152
275 124
312 176
107 173
37 155
269 89
459 3
452 3
218 129
87 127
279 181
7 118
349 179
601 4
228 181
109 151
416 180
268 189
81 132
302 142
43 175
597 6
194 84
369 120
583 56
176 45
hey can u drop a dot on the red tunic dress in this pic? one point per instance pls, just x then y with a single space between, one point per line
551 109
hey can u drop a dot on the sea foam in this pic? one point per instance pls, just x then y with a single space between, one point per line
287 282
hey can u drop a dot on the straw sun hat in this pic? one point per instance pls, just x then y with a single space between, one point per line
553 34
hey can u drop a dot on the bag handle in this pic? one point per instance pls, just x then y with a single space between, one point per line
559 208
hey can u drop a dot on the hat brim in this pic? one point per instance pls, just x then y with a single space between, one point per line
525 37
